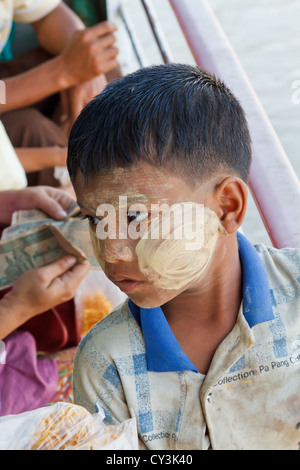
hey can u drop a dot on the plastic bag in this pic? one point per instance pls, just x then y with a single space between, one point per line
64 426
98 287
94 281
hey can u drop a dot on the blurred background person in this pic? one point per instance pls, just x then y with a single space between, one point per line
46 87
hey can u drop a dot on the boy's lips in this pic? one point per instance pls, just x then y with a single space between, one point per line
126 284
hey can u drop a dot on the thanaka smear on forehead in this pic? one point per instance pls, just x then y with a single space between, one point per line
121 201
108 186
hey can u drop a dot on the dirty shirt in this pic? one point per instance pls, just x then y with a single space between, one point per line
131 364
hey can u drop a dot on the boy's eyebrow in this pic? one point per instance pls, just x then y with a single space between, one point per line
129 199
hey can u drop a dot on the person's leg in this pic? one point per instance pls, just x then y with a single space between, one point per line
26 61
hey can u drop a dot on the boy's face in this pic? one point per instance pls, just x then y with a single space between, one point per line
123 207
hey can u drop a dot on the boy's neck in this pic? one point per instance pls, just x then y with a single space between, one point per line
219 294
202 317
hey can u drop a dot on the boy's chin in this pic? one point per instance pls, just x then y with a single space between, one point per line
155 299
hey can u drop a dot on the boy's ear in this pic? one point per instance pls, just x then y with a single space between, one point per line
232 195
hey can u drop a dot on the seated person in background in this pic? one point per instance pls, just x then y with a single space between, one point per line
72 61
39 289
205 352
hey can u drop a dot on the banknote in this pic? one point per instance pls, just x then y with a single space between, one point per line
74 229
32 249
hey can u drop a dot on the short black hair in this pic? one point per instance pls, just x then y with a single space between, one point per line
176 116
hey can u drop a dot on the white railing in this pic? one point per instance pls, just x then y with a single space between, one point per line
273 182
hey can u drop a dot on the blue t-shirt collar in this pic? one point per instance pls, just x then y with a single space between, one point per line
164 354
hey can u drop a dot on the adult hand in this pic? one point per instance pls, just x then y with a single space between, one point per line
40 289
75 98
88 54
52 201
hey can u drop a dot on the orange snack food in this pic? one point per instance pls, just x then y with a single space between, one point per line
95 307
65 427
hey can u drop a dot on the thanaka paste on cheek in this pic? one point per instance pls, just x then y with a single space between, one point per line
104 250
168 264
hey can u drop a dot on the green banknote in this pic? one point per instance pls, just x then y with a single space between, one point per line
33 249
33 240
74 229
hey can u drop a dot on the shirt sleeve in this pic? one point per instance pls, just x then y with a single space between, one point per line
28 11
96 383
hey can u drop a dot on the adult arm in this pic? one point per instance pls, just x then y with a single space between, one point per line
37 159
55 29
82 55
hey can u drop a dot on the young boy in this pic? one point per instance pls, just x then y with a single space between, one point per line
206 350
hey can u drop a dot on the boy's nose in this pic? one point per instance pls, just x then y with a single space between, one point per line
112 251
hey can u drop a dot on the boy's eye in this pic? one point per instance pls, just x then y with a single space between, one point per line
132 216
136 216
93 221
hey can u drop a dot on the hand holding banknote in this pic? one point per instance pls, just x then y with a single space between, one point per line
54 202
43 267
40 289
